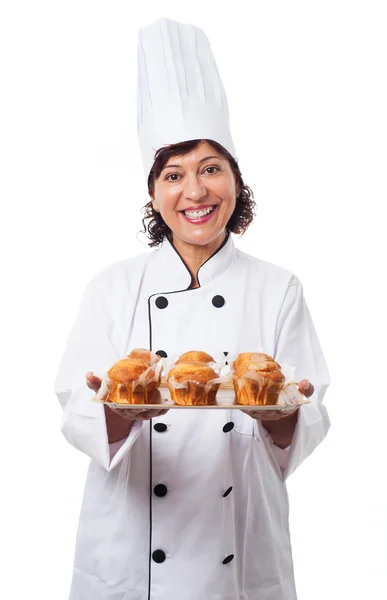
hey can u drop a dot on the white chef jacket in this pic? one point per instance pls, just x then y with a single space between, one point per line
193 504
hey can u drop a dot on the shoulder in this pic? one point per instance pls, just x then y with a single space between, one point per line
122 273
266 271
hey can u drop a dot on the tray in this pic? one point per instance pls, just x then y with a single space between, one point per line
225 399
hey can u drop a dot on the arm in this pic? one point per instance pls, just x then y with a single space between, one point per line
282 430
117 427
91 345
282 427
297 344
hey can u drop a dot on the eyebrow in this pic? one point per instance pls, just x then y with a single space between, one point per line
200 161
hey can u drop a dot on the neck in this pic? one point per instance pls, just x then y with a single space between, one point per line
195 255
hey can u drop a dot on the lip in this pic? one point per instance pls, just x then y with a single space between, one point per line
200 207
202 219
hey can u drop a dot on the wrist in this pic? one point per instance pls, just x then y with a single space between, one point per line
282 430
117 426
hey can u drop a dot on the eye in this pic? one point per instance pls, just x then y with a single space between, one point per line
172 175
213 167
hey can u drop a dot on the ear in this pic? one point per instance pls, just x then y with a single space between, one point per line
154 204
237 187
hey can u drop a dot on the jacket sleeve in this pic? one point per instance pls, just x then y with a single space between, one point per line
90 347
297 345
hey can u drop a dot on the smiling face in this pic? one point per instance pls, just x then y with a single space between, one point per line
196 195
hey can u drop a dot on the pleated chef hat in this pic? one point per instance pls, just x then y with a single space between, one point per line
180 94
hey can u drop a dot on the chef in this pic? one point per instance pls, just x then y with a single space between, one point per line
188 504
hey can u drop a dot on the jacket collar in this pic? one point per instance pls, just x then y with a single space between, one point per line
175 274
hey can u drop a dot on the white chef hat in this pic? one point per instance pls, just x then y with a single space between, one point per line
180 94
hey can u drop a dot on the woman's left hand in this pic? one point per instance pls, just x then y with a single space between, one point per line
305 387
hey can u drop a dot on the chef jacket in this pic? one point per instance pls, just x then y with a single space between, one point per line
193 504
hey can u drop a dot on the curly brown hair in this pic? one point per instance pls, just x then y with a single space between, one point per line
243 213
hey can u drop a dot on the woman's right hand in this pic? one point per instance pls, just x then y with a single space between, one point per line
94 383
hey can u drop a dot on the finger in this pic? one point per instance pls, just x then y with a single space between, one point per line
306 388
310 391
137 414
125 413
150 414
261 415
91 377
93 386
117 411
271 415
92 381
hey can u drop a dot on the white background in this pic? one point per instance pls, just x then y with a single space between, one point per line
306 83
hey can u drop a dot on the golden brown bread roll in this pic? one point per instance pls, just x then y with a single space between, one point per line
124 387
195 356
256 358
257 379
190 384
144 355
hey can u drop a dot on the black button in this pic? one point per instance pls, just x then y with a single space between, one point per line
161 302
160 490
228 559
161 353
159 556
160 427
227 492
228 427
218 301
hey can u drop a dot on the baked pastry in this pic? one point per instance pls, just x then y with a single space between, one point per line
195 356
133 380
244 358
192 384
144 355
257 379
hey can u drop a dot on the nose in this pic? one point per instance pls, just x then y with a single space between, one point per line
194 190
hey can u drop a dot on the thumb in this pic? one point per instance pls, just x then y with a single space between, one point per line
306 388
92 382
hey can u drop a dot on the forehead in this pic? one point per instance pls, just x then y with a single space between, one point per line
201 151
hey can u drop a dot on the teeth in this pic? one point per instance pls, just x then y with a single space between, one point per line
198 214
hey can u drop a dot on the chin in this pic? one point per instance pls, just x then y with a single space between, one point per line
200 238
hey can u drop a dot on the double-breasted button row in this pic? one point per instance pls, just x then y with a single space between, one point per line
162 302
160 490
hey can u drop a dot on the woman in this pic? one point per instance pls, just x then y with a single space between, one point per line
190 504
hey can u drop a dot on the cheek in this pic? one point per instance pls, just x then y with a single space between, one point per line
228 194
225 189
167 200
